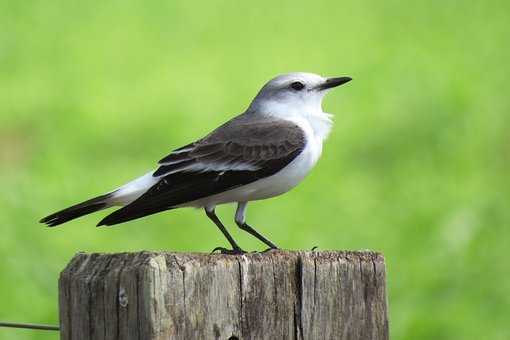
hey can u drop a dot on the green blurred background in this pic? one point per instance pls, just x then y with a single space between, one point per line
93 93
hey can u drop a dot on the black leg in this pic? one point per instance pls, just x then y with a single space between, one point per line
255 233
235 248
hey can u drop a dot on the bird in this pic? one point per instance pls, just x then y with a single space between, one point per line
261 153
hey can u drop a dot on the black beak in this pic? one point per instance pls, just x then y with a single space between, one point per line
333 82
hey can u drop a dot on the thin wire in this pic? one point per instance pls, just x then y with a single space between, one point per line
29 326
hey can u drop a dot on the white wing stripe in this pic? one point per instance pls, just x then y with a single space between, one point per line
204 167
182 150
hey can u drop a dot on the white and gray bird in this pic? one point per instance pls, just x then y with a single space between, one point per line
261 153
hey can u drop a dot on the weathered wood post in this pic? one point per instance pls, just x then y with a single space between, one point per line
273 295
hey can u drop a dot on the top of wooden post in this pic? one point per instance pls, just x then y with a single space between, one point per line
273 295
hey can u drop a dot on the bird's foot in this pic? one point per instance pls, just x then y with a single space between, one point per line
234 251
314 248
270 249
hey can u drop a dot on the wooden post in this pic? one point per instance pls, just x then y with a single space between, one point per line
273 295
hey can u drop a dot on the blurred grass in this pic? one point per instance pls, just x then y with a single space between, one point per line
93 93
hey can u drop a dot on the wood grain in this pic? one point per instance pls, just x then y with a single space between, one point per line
274 295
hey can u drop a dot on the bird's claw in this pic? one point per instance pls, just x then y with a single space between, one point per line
235 251
314 248
269 249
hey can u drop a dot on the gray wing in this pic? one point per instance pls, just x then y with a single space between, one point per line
235 154
236 146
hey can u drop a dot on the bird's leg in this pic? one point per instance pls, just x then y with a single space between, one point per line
235 248
241 223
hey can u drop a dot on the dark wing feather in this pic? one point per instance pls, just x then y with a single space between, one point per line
231 156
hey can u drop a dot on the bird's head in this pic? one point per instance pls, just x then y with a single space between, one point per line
292 93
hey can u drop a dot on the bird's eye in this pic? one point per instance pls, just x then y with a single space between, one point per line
297 85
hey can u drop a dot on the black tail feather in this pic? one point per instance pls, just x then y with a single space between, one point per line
78 210
128 213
